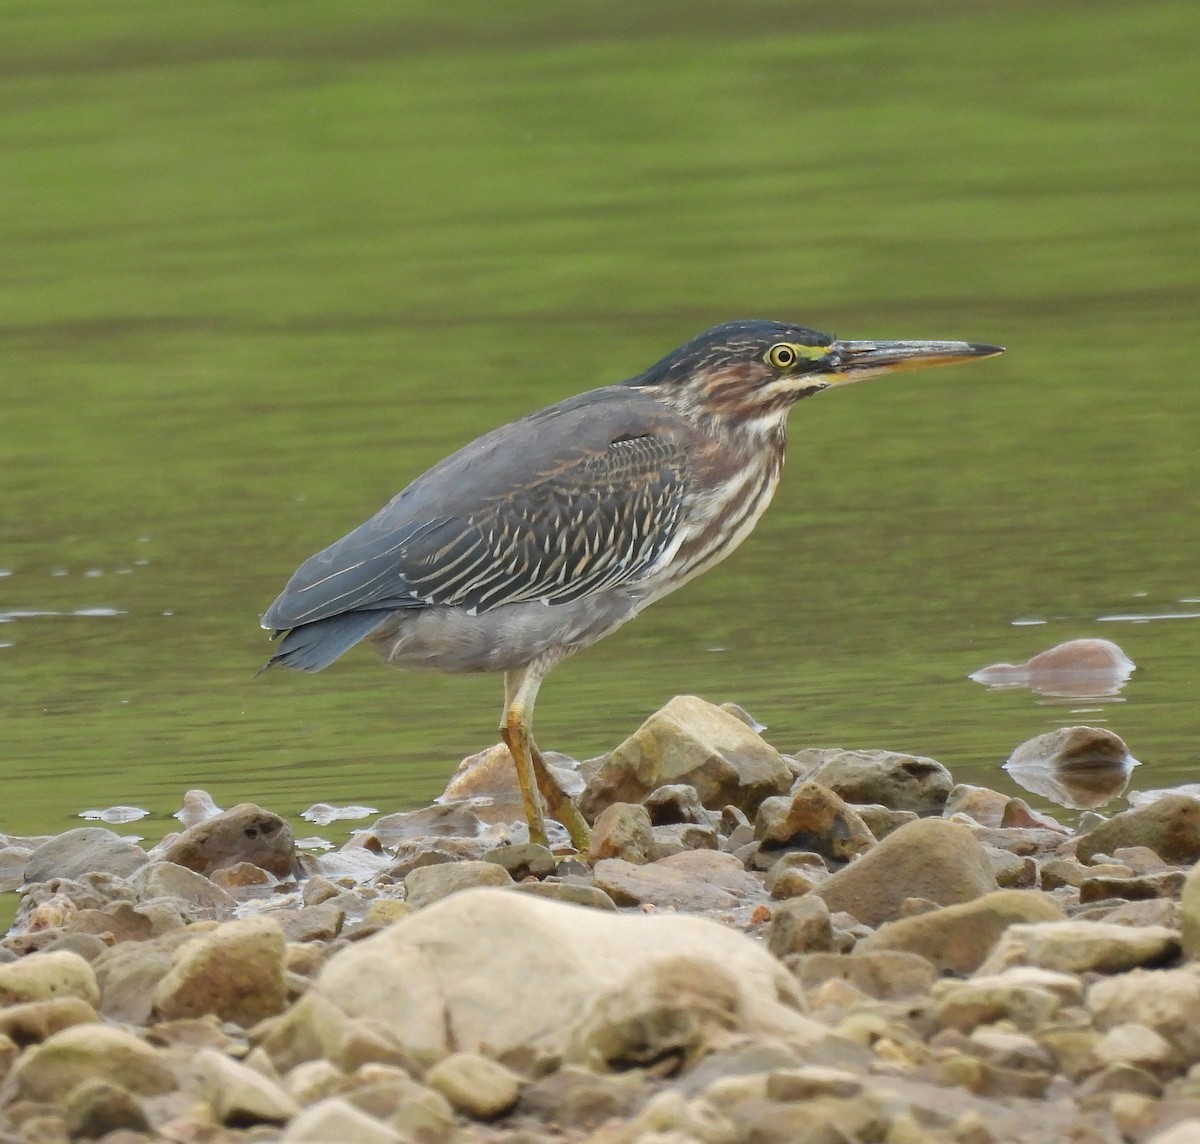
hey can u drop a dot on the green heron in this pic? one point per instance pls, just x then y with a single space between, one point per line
543 536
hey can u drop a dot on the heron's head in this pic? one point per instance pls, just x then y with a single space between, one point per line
750 373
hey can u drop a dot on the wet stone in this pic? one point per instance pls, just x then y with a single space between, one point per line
84 850
959 937
1169 826
523 860
475 1086
573 893
1100 887
247 833
812 818
888 778
690 741
622 830
677 803
929 858
428 884
799 925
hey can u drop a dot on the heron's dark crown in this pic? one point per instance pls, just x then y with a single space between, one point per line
742 342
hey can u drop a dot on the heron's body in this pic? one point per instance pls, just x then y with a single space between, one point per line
545 535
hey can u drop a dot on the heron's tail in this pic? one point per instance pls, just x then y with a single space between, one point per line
310 647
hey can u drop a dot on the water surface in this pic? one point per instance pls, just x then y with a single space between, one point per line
263 265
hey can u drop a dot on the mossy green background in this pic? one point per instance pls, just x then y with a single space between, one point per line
263 263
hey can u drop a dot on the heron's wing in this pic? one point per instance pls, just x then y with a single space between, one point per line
567 502
585 524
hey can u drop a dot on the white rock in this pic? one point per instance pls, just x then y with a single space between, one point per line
336 1121
491 971
239 1094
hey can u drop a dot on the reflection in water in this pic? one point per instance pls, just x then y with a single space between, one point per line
1075 767
1077 669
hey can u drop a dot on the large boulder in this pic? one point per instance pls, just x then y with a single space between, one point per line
519 978
929 858
690 741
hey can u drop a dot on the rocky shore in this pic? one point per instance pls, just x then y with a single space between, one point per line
831 946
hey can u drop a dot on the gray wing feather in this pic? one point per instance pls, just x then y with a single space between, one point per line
561 504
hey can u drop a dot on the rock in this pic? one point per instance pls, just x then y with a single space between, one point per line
1103 887
578 1099
677 803
96 1108
1189 914
90 1052
240 1095
1136 1045
882 820
1076 767
1169 826
247 833
475 1086
428 884
84 850
929 858
1186 1131
1082 947
523 860
35 1021
516 974
338 1120
885 974
812 818
898 781
958 938
236 972
795 873
1164 1001
799 925
45 976
694 880
811 1081
1078 669
127 976
690 741
313 923
676 837
622 830
458 821
1027 997
980 804
203 899
570 892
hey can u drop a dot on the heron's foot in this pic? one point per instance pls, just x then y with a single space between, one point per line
519 744
560 804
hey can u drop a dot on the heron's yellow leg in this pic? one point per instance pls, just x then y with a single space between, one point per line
516 734
561 805
520 691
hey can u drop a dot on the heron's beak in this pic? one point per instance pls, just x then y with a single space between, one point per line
852 361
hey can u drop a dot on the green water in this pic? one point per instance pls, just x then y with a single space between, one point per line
262 264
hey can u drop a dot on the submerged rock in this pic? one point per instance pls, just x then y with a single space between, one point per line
1077 669
1076 767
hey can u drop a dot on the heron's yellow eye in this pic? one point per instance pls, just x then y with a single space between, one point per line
781 356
